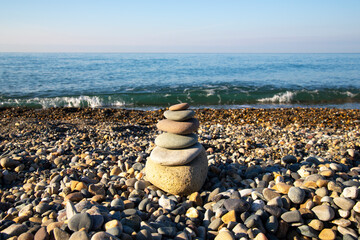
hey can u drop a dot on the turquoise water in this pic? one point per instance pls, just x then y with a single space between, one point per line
148 81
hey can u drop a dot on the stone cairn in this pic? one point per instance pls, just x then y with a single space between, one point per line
178 164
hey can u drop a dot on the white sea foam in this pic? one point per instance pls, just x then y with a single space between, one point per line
285 97
219 97
118 104
349 94
209 92
81 101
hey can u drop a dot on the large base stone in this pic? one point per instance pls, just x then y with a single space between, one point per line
178 180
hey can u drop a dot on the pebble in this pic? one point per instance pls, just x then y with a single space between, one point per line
115 231
272 224
42 234
273 210
167 203
308 231
291 216
270 194
178 107
176 141
350 192
175 157
316 224
79 221
179 115
230 216
327 234
183 128
30 236
65 168
189 178
8 163
344 203
167 231
356 207
296 195
225 235
82 235
103 236
324 212
238 205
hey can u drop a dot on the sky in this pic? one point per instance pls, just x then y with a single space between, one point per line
182 26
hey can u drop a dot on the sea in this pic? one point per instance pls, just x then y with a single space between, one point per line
151 81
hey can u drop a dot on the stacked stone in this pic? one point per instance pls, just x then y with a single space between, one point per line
178 163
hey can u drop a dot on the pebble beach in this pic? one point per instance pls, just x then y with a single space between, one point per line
78 173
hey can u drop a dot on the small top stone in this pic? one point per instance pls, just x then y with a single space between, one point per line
180 106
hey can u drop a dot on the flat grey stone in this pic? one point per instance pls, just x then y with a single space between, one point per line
115 231
103 236
60 234
239 205
175 157
70 210
42 207
344 203
296 195
292 216
80 235
14 230
215 224
308 231
324 212
180 115
79 221
176 141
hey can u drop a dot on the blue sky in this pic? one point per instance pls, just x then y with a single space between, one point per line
180 26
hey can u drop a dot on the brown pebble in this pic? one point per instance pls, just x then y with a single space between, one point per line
229 217
26 236
42 234
196 199
74 197
185 127
327 234
98 198
180 106
112 224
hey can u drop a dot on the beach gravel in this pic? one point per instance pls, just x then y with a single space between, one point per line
79 173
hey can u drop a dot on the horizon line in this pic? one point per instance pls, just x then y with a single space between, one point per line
120 52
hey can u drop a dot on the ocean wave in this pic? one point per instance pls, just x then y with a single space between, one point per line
196 96
285 97
79 101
